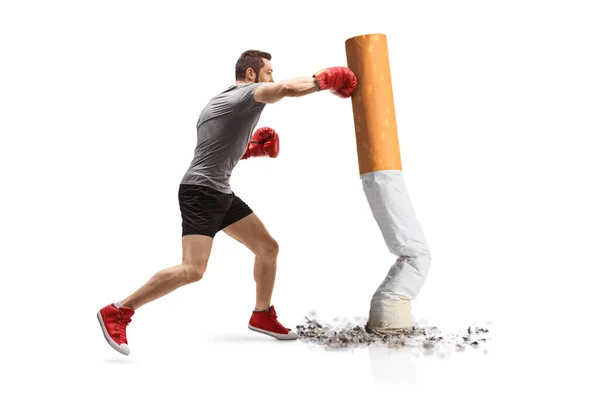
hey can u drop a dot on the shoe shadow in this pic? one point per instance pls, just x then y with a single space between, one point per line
119 361
243 338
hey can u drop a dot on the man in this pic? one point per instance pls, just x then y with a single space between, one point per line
207 203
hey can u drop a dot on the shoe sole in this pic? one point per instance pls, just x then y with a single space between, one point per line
111 342
279 336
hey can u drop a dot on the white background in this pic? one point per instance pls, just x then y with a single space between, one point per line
497 105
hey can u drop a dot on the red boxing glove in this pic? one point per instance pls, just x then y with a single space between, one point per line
264 142
341 80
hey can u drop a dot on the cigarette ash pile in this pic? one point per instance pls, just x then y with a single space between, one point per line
355 334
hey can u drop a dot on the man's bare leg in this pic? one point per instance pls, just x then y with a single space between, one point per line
251 232
196 251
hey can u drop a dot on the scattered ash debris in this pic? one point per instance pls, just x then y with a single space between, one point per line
355 334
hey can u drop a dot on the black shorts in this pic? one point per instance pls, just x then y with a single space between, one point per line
205 211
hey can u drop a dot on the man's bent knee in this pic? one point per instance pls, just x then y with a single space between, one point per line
269 249
193 272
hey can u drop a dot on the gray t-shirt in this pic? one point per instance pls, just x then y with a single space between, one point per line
224 128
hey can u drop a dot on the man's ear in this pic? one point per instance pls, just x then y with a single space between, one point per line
249 73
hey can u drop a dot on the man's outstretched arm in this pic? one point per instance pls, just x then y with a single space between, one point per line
340 80
270 92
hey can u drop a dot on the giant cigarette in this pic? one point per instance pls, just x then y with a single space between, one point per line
380 169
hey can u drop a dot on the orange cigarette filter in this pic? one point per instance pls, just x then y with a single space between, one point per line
373 104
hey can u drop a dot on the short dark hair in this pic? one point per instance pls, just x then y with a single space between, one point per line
250 59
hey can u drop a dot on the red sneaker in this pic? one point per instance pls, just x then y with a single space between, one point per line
266 322
114 320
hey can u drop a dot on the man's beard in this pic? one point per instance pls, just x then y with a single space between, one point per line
256 79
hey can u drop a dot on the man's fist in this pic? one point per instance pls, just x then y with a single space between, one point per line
340 80
264 142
